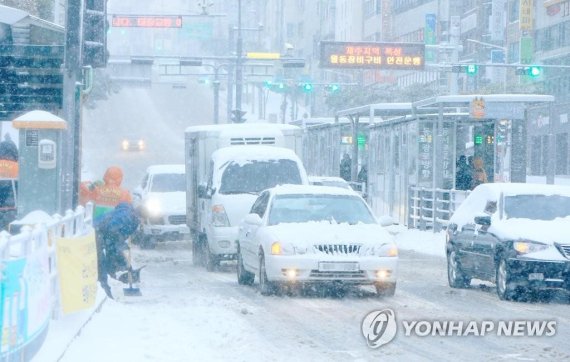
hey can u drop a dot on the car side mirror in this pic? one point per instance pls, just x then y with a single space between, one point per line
252 219
138 192
203 192
483 220
386 220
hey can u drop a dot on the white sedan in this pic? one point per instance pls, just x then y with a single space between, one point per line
300 234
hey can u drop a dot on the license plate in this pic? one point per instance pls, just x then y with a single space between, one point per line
338 266
535 276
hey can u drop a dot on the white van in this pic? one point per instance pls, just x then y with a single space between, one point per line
226 167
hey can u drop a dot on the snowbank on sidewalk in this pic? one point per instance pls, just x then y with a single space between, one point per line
426 242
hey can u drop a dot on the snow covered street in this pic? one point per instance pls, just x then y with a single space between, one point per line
186 313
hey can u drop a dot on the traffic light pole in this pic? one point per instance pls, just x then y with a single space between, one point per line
69 151
239 75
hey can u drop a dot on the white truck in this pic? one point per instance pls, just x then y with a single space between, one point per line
226 167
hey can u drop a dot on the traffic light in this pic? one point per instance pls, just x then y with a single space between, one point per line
306 87
532 71
469 69
238 116
95 25
333 88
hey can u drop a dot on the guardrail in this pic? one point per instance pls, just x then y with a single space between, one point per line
431 208
27 264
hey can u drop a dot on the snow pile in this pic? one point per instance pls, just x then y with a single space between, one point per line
426 242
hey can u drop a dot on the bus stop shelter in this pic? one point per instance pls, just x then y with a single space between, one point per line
412 163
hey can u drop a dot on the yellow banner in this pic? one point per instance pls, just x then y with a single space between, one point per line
77 269
526 15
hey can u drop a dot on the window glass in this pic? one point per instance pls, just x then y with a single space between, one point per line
305 208
537 207
256 176
168 182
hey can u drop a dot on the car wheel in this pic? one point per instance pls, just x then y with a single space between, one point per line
243 276
211 260
265 286
147 242
455 275
385 289
505 290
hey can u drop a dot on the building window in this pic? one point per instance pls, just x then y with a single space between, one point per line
514 10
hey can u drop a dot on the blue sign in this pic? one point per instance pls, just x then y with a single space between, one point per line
497 56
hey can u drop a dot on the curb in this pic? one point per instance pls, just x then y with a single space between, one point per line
97 309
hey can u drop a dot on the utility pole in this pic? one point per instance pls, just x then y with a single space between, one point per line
230 93
69 151
239 75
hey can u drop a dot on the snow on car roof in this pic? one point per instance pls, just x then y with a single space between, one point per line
496 189
258 152
326 178
174 168
241 127
310 189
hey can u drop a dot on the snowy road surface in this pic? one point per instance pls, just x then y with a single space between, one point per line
188 314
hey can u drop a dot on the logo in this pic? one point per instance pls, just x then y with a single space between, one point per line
477 108
379 327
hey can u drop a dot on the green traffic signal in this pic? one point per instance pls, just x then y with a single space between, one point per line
307 87
471 69
334 88
534 71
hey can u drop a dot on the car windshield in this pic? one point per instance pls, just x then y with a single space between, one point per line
168 182
537 207
256 176
334 208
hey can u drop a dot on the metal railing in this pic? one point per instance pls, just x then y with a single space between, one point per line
431 208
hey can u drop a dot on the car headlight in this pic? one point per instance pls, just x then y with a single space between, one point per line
153 207
386 249
279 248
125 145
219 216
527 247
141 145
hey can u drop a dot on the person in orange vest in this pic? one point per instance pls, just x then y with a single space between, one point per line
107 194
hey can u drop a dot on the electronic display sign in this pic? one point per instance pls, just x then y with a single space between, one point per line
146 21
373 55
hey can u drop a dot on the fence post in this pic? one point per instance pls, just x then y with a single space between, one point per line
421 209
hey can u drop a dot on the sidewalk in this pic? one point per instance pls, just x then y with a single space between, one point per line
63 331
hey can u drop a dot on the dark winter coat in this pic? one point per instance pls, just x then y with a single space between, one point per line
346 169
112 230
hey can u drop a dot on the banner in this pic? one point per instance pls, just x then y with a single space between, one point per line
26 303
77 269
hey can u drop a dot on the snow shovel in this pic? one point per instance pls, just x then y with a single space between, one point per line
131 291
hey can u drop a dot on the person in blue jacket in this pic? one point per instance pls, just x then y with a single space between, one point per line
112 230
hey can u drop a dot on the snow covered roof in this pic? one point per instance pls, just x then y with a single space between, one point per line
311 189
10 15
465 99
39 119
326 178
241 127
244 153
174 168
496 189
